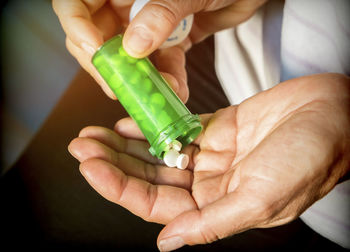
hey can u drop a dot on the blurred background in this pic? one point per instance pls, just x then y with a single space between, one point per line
36 68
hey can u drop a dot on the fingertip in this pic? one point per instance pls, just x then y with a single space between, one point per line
75 18
70 147
123 123
73 148
180 89
86 169
151 27
104 177
138 41
86 132
171 243
184 95
108 92
128 128
90 50
172 81
82 168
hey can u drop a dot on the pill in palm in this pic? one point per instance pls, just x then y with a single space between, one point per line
173 158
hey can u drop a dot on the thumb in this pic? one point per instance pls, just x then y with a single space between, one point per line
215 221
155 23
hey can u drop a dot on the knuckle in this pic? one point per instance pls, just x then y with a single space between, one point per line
152 195
165 10
326 81
207 233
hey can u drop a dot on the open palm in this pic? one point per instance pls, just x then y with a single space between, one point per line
258 164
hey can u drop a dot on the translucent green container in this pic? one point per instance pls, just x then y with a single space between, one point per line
145 95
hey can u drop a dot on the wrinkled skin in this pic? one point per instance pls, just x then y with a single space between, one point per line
258 164
89 23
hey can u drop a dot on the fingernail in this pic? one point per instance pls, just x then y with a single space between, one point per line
171 243
108 92
140 40
88 48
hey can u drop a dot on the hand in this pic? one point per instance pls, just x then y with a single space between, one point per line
158 18
88 24
256 165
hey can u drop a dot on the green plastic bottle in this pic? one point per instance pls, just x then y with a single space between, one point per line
159 113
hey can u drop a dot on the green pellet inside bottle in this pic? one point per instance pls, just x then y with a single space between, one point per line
145 95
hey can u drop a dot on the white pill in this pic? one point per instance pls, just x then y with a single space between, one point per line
182 161
170 157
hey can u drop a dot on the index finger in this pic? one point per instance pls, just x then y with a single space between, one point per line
75 18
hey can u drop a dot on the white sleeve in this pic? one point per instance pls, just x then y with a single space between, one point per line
284 41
